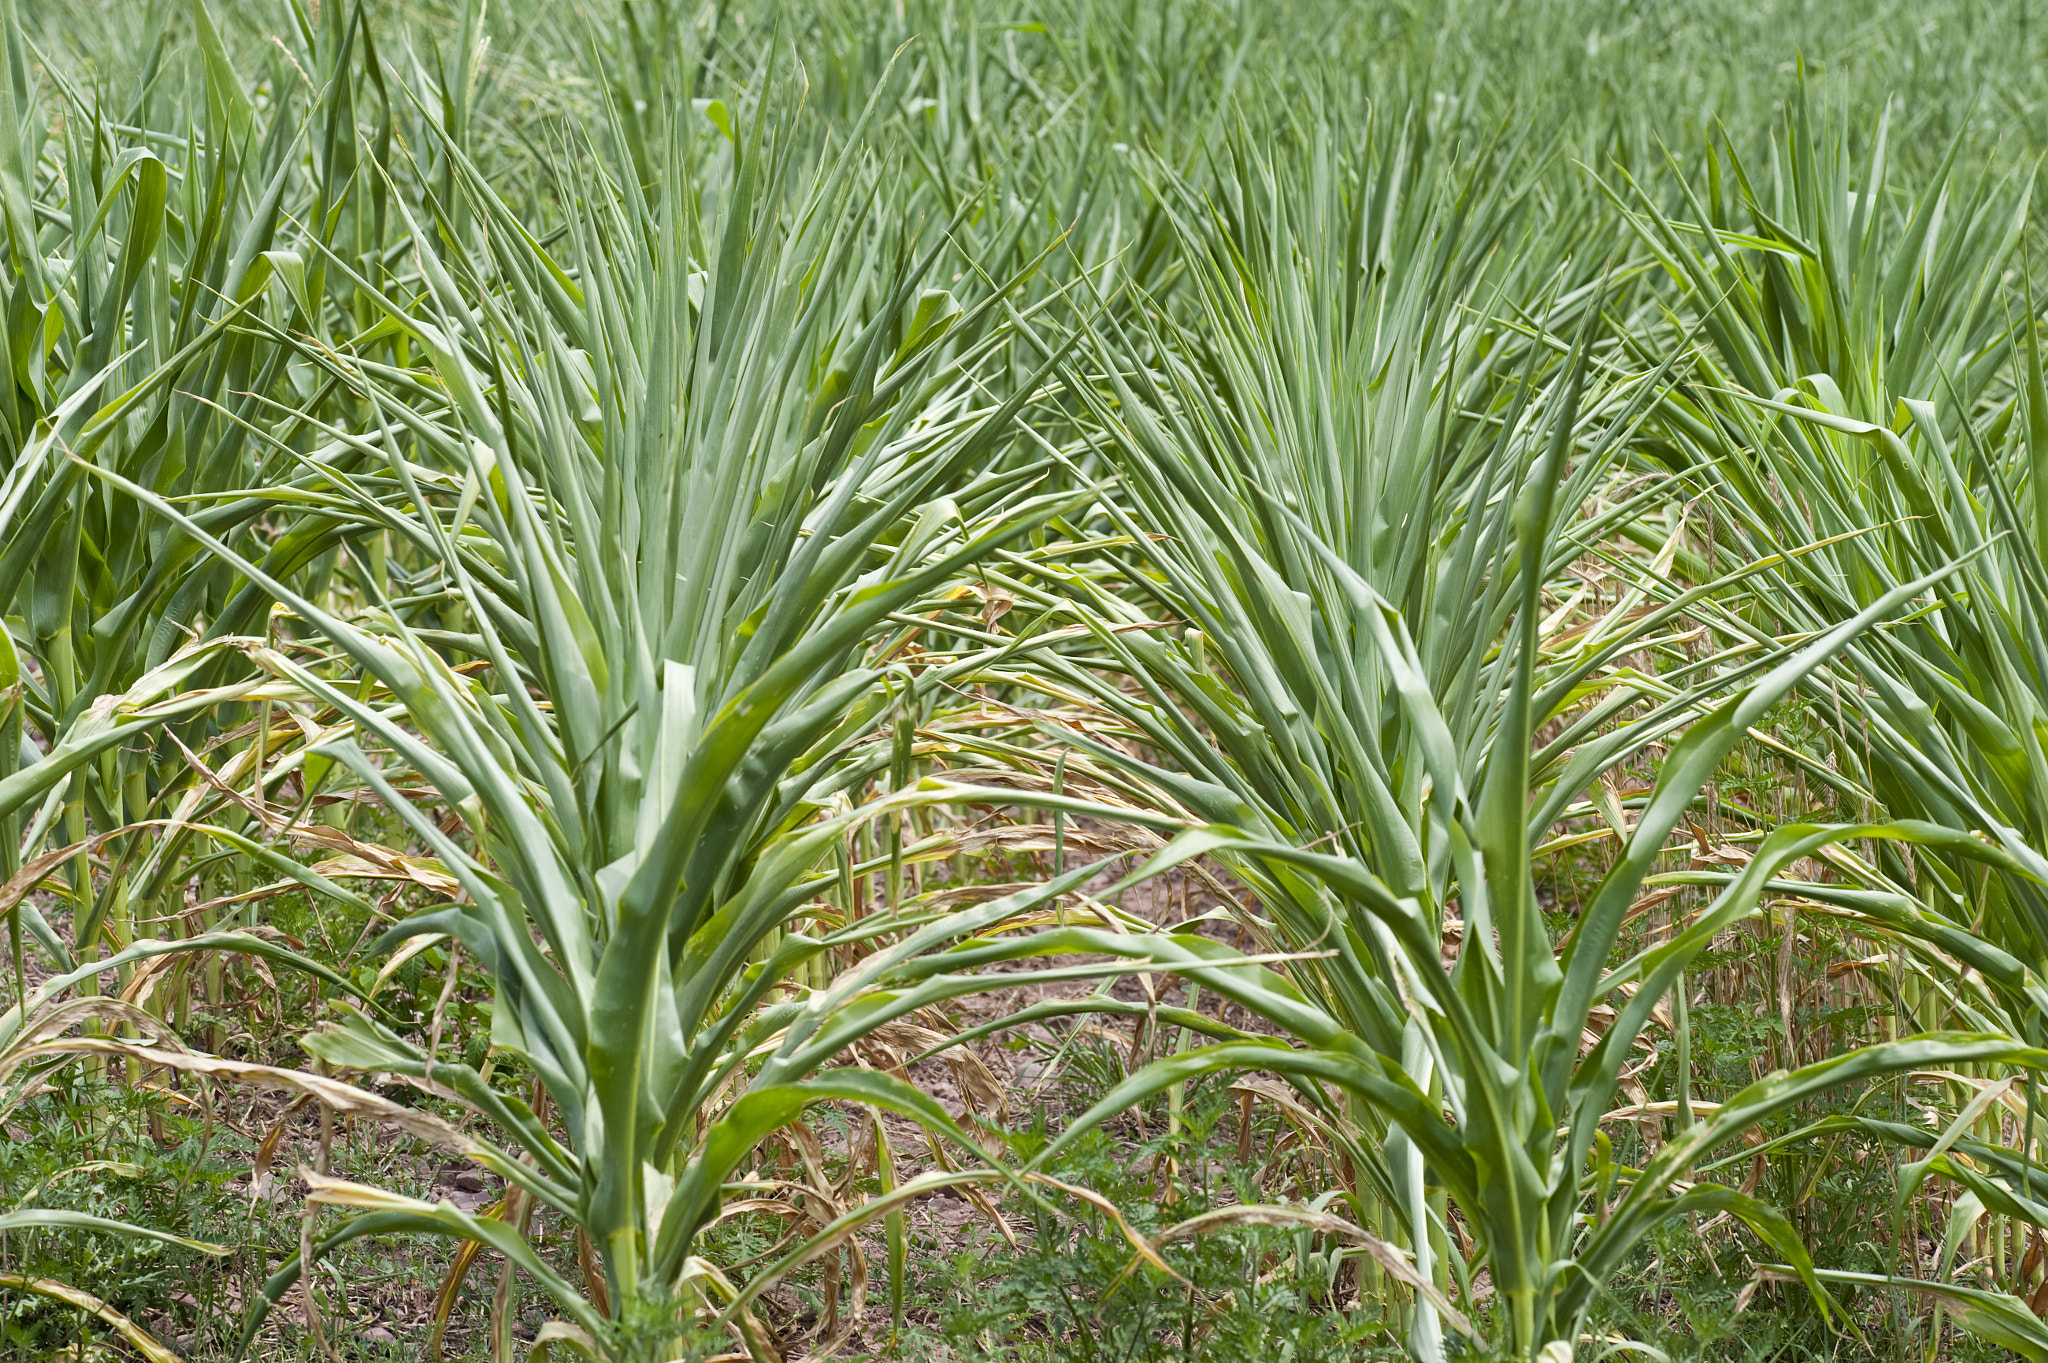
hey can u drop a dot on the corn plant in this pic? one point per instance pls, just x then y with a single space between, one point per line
1897 426
672 497
1360 519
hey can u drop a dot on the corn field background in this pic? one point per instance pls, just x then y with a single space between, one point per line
1023 680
